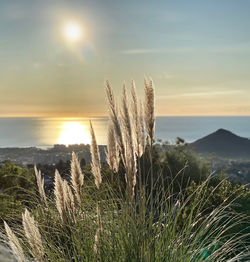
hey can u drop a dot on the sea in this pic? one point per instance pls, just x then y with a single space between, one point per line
45 132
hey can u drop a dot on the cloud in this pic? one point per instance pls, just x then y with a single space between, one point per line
239 48
202 94
214 93
158 51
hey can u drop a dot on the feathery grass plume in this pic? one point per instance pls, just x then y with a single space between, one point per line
58 192
114 117
69 200
149 106
142 126
125 117
136 122
76 177
130 160
14 244
95 158
40 185
113 151
33 236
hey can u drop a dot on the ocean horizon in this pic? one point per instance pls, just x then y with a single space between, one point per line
45 132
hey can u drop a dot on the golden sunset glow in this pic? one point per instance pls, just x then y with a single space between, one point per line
72 31
74 133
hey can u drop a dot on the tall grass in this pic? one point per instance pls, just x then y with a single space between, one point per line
92 221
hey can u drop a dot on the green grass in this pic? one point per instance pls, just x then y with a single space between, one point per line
132 231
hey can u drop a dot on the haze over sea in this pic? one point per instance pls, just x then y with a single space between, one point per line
45 132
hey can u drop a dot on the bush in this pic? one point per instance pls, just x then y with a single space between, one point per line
17 189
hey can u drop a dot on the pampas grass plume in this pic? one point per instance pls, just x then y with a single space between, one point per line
137 128
142 127
40 185
69 200
76 177
126 121
59 194
130 160
95 158
33 236
114 117
149 106
14 244
113 151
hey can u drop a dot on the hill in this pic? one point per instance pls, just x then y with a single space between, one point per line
224 144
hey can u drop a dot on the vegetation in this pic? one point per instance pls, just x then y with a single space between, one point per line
17 188
149 202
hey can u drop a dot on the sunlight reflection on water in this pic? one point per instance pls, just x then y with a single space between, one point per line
73 132
45 132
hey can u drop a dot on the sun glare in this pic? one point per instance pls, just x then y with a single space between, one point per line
73 133
72 31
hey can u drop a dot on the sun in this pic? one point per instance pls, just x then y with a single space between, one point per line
72 31
73 133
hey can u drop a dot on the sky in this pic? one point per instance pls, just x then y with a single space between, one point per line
197 53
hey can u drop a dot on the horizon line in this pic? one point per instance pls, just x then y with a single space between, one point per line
102 116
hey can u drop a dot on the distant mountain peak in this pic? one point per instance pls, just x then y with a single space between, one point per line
223 143
223 131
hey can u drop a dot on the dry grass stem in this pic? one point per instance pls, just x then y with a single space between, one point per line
142 127
14 244
69 200
114 117
125 117
113 150
33 236
40 185
95 158
124 136
59 194
76 178
65 202
136 122
149 106
130 160
98 232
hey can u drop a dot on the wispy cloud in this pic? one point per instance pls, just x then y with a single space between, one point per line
158 51
213 93
239 48
202 94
